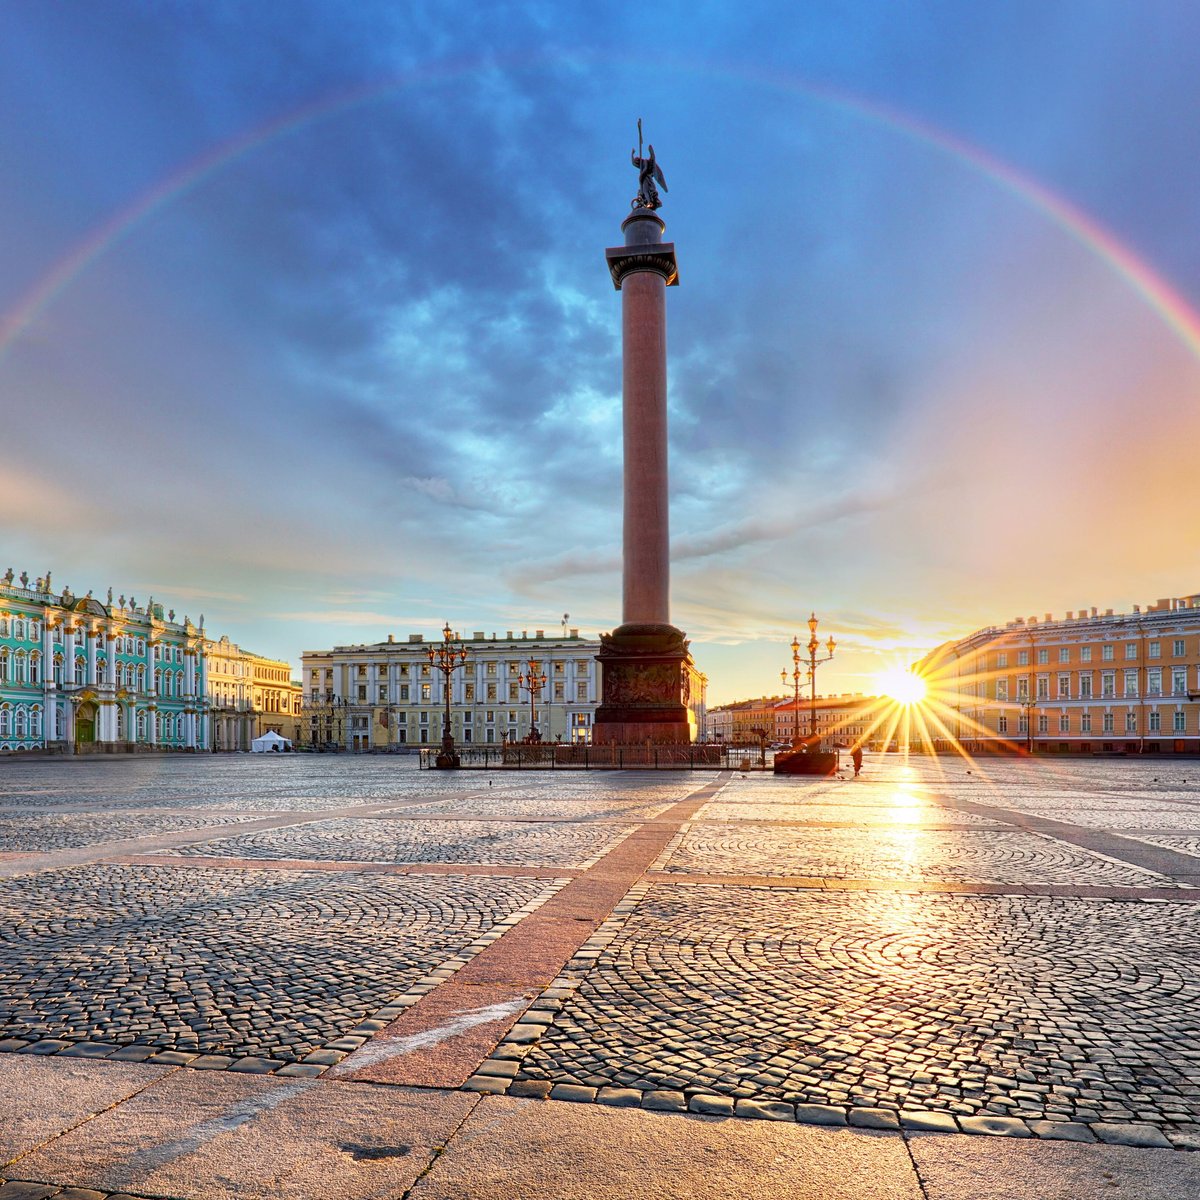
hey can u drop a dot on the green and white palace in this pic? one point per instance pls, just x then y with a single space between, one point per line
79 675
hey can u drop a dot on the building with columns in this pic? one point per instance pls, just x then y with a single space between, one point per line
386 695
79 674
1089 682
249 695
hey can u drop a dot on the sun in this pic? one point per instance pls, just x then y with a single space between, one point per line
901 685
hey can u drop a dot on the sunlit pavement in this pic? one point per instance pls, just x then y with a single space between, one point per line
336 976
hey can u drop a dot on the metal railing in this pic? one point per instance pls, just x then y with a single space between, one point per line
558 756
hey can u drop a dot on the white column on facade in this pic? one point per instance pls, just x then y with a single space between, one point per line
90 634
151 667
68 653
110 668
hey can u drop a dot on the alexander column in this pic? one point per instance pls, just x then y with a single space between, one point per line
645 659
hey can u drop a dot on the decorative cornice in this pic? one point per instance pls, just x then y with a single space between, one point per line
658 257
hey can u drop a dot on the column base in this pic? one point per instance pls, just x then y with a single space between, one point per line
644 687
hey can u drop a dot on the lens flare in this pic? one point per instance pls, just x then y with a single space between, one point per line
901 685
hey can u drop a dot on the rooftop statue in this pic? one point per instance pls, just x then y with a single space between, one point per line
649 173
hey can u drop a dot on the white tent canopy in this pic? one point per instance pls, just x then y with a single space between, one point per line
269 741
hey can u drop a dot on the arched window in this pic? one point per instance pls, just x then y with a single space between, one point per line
120 723
158 727
21 674
35 630
141 679
58 670
35 668
80 670
5 720
35 722
141 726
21 726
19 629
4 627
101 663
5 665
141 648
179 683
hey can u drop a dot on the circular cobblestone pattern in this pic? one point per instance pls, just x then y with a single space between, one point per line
269 964
964 856
405 841
1018 1006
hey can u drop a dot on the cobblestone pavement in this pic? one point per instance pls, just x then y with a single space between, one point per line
1033 1008
397 840
57 831
1036 1011
887 816
909 854
238 964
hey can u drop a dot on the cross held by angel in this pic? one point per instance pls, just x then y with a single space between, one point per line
649 173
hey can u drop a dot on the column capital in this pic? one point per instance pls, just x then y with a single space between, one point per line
658 257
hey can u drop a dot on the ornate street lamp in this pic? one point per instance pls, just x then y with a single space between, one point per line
796 674
813 663
533 683
447 658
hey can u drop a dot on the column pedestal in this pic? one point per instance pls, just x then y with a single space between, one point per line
645 687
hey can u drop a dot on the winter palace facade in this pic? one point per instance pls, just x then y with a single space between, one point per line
76 673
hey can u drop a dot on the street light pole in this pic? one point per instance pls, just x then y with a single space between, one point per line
532 682
447 658
813 663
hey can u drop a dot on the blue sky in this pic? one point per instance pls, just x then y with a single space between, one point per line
363 375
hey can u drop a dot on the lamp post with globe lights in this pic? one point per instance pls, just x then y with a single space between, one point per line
813 663
533 682
447 658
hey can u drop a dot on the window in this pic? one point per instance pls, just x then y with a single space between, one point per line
1085 654
21 726
1043 655
1085 685
512 692
1131 721
383 692
80 670
5 721
1064 723
1002 724
1154 650
1107 652
4 627
362 671
1023 723
1177 648
424 718
490 669
426 691
1043 723
491 691
1002 660
1064 687
362 693
1179 681
1131 682
1108 723
1131 649
1085 723
1022 658
1022 688
1043 687
560 668
1155 721
1064 654
1108 684
315 676
1154 681
1180 725
559 690
19 629
469 693
1001 689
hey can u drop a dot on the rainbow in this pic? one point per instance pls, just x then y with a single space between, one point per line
1174 310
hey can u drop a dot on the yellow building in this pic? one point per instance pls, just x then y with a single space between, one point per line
845 720
1088 682
249 695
